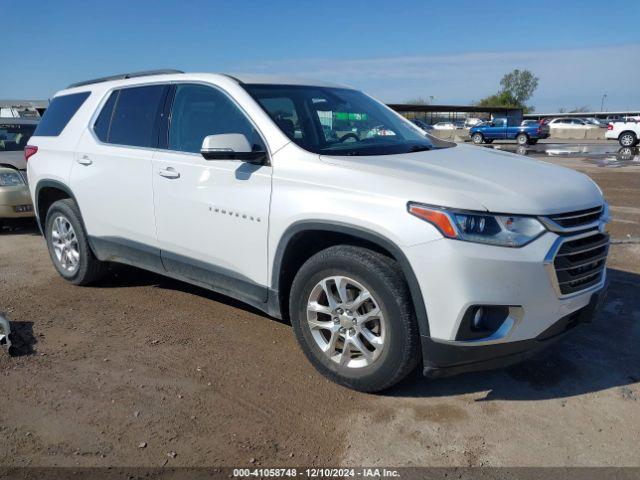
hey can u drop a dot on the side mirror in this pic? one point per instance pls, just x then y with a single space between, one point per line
231 146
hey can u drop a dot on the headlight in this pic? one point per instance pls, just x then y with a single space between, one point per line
479 227
10 179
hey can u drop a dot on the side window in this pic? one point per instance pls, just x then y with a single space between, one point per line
199 111
283 112
61 110
136 118
101 127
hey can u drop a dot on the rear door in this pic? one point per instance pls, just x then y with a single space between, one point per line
111 175
212 215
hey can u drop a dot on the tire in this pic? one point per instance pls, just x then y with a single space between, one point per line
522 139
64 232
477 138
392 339
627 139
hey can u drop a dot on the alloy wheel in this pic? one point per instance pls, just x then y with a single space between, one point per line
65 244
346 322
627 140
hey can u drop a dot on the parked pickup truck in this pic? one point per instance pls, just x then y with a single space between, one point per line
499 129
627 133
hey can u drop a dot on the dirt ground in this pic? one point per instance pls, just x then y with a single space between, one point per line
145 371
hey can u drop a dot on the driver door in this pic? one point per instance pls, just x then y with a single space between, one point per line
212 216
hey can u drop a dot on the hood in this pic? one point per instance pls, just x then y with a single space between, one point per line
476 178
14 159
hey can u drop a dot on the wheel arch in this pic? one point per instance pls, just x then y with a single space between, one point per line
46 193
303 239
627 131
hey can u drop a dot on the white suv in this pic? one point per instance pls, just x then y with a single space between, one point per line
383 251
627 133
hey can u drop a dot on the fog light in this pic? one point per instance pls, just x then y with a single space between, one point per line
477 318
481 321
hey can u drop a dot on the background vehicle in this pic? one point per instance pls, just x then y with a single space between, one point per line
19 111
15 201
472 121
594 121
423 125
498 129
627 133
349 237
567 122
444 126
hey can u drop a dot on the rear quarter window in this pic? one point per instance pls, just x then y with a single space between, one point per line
136 117
57 116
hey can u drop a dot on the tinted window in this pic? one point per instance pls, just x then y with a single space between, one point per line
199 111
59 113
101 127
137 116
14 137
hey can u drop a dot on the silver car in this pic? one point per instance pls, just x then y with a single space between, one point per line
15 201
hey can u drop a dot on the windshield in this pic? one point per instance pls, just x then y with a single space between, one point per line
339 121
14 137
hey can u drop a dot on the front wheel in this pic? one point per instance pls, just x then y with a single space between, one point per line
627 139
352 315
477 138
68 245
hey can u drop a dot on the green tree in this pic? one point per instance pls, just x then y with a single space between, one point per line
517 87
419 101
520 84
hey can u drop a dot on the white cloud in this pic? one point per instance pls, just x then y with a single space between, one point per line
569 77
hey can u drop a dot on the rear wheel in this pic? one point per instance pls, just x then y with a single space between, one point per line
353 317
68 246
627 139
477 138
522 139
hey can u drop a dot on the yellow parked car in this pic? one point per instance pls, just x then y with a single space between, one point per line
15 201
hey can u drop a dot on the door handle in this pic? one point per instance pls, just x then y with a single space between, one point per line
169 172
84 160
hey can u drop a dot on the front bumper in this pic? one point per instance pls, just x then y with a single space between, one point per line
15 202
443 359
456 276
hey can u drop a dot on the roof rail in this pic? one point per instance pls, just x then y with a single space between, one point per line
124 76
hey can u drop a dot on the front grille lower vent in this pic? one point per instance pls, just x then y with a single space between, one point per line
580 263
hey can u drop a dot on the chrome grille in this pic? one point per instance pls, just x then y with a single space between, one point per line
579 264
572 221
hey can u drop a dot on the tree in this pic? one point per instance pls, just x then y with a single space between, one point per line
501 99
419 101
582 109
520 84
517 87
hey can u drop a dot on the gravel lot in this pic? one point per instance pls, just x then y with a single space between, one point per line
145 371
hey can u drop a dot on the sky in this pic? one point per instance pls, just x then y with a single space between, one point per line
395 50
